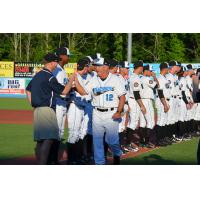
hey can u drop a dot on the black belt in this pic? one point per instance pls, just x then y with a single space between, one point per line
174 96
168 99
64 99
180 97
104 110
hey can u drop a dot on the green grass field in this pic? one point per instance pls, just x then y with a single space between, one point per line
177 154
14 104
16 141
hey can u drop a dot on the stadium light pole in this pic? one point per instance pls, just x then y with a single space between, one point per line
129 52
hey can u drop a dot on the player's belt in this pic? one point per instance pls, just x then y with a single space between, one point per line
180 97
64 99
174 96
104 110
168 99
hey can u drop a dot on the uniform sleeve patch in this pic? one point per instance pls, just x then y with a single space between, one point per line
150 82
136 84
167 85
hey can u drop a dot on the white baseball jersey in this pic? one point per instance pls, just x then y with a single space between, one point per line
125 82
189 87
147 89
183 84
78 99
173 83
189 83
85 81
61 76
135 84
105 93
164 85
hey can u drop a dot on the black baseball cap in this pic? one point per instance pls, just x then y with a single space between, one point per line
62 51
138 64
189 66
95 56
51 57
164 65
173 63
179 64
124 64
82 63
112 63
148 67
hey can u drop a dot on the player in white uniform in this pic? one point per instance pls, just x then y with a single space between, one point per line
196 98
135 106
108 98
191 123
61 101
162 106
184 105
190 112
124 78
147 121
174 101
77 125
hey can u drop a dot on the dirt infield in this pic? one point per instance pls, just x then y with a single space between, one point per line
16 116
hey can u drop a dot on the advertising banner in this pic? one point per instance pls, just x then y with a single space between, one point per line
26 70
12 86
6 69
70 68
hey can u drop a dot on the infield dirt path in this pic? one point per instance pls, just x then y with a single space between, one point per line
16 116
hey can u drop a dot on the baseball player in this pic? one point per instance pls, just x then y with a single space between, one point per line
184 104
191 111
124 78
147 121
61 101
135 106
108 98
191 123
173 113
88 109
196 92
162 106
76 118
61 76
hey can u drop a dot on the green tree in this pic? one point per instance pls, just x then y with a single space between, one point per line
176 49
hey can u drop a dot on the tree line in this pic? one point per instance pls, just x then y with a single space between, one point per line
150 47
